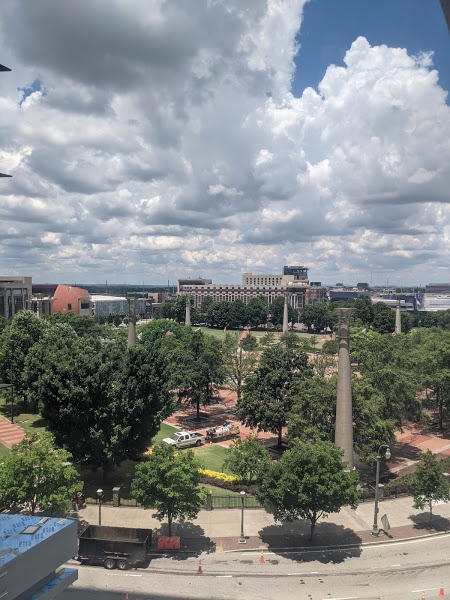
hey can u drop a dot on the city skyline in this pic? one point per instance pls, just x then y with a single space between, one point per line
164 142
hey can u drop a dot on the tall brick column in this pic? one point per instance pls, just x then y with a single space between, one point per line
398 318
187 320
131 322
285 315
344 413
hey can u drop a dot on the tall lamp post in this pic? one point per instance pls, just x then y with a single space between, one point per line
100 496
242 539
387 454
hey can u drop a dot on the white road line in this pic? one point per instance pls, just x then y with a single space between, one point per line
223 576
346 598
424 590
314 572
393 566
256 553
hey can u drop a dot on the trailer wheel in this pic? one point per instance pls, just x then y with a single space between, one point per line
109 563
198 443
122 565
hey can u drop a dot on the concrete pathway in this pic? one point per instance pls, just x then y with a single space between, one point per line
219 530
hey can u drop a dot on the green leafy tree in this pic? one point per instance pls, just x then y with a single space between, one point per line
249 343
245 458
364 310
383 318
103 402
308 482
238 363
36 476
429 484
319 316
170 483
270 392
277 312
313 415
257 312
407 322
330 347
17 339
290 339
199 365
219 314
83 326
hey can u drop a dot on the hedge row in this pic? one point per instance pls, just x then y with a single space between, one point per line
233 486
402 484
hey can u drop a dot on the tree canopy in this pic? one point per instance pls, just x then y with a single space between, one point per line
169 481
308 482
36 476
245 458
319 316
429 484
270 392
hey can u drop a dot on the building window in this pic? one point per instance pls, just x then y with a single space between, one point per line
84 306
69 307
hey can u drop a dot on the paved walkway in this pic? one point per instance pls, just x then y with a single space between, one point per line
219 530
10 434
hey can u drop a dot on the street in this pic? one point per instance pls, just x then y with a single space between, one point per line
392 571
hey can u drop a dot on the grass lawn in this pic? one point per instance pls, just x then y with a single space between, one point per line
165 431
212 457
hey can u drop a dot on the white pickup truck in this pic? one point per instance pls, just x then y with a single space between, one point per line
185 439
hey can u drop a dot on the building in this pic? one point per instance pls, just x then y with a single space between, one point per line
437 288
433 302
341 292
407 301
32 550
103 306
69 298
15 295
293 282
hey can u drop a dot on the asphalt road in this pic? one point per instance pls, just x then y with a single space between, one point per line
392 571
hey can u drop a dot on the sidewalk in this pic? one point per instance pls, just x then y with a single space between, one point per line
219 530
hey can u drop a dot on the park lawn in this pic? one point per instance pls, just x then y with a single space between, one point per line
165 431
212 458
4 451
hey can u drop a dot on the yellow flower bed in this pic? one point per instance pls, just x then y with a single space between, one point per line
217 475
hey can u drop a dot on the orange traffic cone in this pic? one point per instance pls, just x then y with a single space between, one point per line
441 591
261 560
126 595
423 595
200 570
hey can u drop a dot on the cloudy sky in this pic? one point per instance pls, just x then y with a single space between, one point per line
157 139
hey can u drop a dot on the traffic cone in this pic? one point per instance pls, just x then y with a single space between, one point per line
261 560
441 591
126 595
423 595
200 570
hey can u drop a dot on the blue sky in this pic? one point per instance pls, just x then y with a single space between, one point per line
330 26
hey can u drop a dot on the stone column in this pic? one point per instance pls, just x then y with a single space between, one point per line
344 413
285 315
39 305
131 322
187 320
398 318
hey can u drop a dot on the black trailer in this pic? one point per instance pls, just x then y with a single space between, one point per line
121 547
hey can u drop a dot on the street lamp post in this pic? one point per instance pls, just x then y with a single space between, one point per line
242 539
375 530
100 496
11 363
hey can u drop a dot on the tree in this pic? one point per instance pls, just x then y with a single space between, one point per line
308 482
277 311
319 316
257 311
170 483
102 401
429 484
364 310
383 318
249 343
198 367
270 392
238 363
17 340
246 457
36 475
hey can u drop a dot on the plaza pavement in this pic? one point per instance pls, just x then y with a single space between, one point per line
219 530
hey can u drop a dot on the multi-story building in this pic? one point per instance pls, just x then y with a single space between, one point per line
15 295
293 282
32 552
69 298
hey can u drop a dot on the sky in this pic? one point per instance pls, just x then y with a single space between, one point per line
160 139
